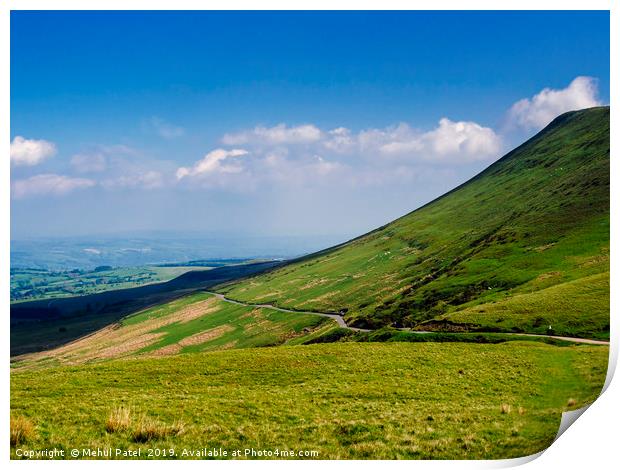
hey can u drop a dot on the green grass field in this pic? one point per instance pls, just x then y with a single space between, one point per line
537 218
35 284
351 400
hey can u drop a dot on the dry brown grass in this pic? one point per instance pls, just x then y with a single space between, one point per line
255 313
548 275
205 336
195 310
119 420
116 341
169 350
130 345
141 428
22 430
149 429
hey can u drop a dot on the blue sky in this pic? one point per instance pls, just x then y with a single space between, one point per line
277 123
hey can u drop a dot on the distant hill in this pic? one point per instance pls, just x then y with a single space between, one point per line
523 246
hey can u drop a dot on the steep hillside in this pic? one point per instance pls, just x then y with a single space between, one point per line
194 323
534 222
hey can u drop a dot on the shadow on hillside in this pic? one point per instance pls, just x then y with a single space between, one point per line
45 324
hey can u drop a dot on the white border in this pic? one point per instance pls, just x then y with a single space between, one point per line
591 443
309 5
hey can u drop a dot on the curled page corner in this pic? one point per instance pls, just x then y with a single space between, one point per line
568 418
517 461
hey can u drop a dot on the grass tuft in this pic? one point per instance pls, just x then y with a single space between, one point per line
119 420
22 430
149 429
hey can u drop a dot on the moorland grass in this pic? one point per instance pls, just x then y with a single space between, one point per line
21 430
574 308
344 400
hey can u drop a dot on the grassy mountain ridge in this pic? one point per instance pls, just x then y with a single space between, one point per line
536 218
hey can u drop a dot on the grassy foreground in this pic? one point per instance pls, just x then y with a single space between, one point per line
345 400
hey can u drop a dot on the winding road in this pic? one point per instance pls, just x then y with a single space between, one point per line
343 324
333 316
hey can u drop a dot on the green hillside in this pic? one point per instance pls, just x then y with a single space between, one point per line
194 323
350 400
520 247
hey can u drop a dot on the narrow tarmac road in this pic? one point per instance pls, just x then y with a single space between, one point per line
343 324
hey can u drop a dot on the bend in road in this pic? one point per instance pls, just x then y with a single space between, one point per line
343 324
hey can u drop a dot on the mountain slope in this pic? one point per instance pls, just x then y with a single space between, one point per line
536 218
194 323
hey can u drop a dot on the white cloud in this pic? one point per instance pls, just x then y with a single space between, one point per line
542 108
339 155
339 140
314 169
30 152
324 167
277 135
457 141
44 184
89 163
165 129
214 162
450 141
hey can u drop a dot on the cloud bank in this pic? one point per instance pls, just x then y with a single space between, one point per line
278 135
308 155
449 142
305 155
49 184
